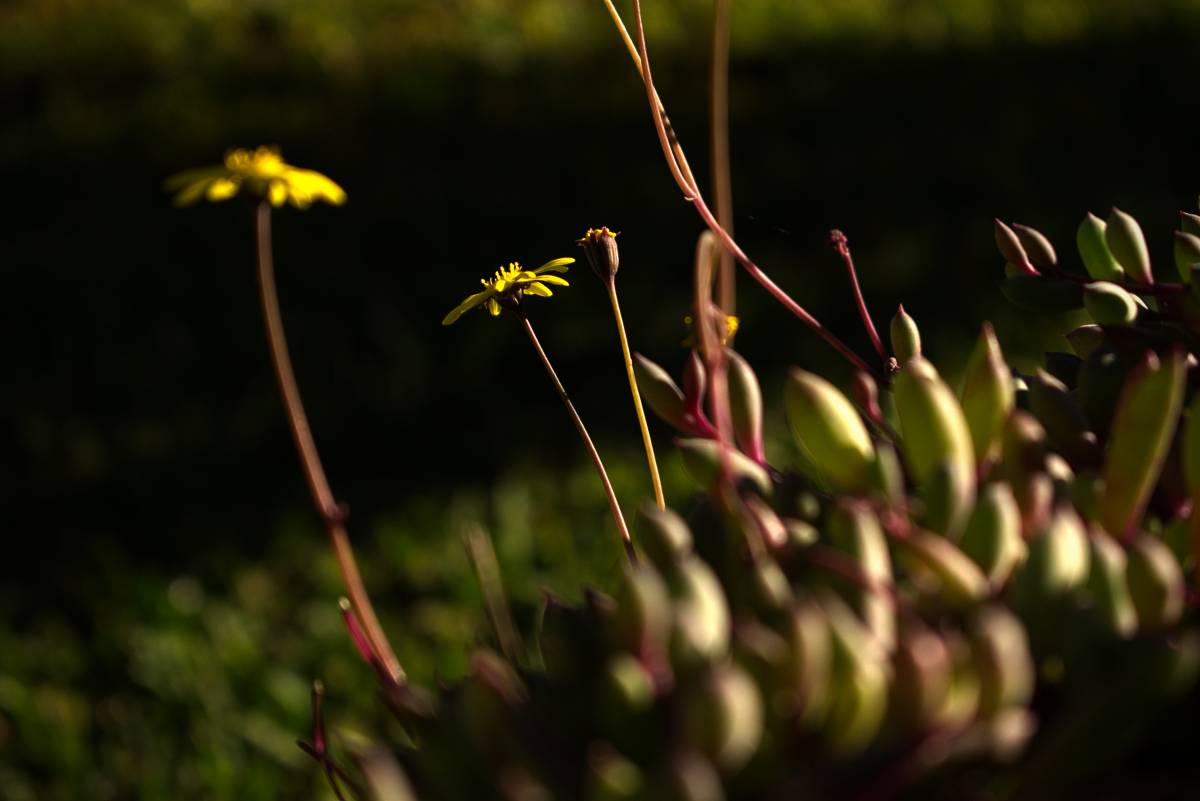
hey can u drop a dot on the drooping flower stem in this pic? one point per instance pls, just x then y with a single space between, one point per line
655 479
687 183
332 515
613 506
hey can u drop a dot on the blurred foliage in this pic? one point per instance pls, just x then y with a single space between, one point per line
141 434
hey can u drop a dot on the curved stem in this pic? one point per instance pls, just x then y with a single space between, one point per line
670 148
655 479
613 506
331 513
842 246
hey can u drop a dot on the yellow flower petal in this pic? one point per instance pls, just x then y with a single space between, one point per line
540 290
277 192
553 279
192 192
555 266
189 178
493 307
222 189
468 304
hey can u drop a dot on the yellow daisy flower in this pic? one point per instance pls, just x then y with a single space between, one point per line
512 281
261 172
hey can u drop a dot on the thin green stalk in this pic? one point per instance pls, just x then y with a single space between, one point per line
332 514
613 506
655 479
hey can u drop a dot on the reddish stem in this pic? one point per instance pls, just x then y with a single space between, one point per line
692 192
842 246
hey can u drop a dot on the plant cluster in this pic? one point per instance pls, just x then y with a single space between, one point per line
935 578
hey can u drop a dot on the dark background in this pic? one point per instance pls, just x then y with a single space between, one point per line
165 594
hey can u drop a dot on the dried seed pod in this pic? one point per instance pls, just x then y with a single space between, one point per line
1093 249
828 430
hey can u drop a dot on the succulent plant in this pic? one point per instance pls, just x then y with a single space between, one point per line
906 608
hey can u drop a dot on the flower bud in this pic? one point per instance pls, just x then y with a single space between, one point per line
600 247
906 337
